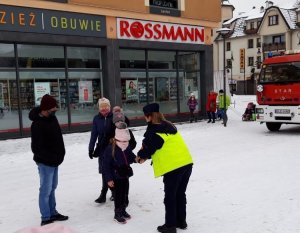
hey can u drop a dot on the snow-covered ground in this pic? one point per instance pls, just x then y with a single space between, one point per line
245 180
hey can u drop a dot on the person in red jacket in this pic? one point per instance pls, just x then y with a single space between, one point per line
211 106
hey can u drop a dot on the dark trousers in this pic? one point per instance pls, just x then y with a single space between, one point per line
121 189
104 186
175 184
211 115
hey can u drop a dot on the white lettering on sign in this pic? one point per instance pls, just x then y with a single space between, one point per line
157 31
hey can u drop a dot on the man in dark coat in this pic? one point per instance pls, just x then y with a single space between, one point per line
48 150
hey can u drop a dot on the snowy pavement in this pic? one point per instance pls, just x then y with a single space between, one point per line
245 180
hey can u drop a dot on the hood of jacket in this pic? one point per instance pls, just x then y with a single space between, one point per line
34 114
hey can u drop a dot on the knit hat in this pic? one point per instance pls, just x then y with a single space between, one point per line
154 107
122 134
117 109
48 102
118 116
102 101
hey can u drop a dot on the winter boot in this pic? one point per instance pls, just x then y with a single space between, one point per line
209 121
119 217
182 225
126 215
45 222
101 198
59 217
165 229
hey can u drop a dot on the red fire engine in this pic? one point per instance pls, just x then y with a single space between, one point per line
278 91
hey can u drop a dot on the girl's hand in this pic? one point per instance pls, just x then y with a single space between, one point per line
111 183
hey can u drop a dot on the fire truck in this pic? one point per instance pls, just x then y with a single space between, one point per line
278 91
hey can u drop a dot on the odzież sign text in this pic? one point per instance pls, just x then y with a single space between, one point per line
156 31
23 19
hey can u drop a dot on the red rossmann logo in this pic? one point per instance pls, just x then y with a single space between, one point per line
144 30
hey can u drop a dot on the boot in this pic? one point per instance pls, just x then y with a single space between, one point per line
182 225
165 229
209 121
126 215
119 217
101 198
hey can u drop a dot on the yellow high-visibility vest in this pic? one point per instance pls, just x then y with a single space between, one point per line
173 154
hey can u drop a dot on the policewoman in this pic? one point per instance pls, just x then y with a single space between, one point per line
171 159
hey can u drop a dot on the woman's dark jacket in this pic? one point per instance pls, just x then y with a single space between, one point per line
116 167
47 142
152 141
103 130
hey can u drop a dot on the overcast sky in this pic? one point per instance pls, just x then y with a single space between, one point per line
245 5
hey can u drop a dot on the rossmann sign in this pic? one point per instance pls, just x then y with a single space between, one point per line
25 19
131 29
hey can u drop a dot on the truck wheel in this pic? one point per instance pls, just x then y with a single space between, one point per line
273 126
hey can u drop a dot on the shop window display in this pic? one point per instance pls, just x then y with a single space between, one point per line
9 121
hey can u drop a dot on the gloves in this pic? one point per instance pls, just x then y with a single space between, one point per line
91 152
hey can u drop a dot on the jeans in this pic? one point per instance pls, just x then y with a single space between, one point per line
48 183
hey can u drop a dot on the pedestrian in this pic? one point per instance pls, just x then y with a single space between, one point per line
116 168
223 108
211 106
48 150
171 159
103 130
192 103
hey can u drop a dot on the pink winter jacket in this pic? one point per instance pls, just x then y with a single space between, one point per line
49 228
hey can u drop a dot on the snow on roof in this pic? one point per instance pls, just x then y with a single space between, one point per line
239 28
290 17
239 21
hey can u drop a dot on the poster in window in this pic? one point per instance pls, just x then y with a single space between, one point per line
131 91
1 96
85 91
40 89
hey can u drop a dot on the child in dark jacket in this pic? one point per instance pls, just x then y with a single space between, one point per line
116 168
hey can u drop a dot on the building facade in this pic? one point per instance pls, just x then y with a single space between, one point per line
262 32
80 50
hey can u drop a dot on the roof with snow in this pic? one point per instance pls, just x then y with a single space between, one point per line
238 22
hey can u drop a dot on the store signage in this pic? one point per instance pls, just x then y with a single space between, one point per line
157 31
165 3
242 60
164 7
23 19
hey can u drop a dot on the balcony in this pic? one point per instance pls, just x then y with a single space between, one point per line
274 47
251 31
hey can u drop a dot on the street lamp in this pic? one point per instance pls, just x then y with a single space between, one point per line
223 32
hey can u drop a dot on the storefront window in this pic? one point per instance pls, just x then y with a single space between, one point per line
7 56
79 57
161 60
134 92
189 78
133 81
165 90
41 56
85 89
9 116
132 59
34 85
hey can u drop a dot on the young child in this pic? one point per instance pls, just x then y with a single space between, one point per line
116 168
192 103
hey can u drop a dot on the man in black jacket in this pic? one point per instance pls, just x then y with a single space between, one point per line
48 150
